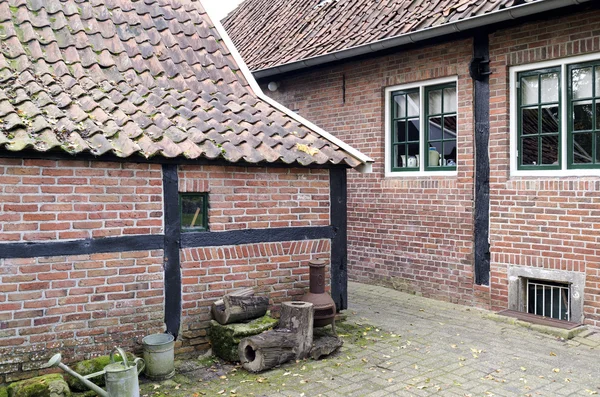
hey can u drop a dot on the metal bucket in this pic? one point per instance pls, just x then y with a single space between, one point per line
159 356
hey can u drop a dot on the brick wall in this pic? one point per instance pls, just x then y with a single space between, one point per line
542 222
277 270
260 198
77 305
84 305
413 233
51 200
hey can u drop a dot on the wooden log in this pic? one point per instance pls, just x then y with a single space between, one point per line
239 307
298 317
267 350
325 345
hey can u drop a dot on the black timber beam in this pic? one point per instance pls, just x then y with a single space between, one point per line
479 69
81 247
253 236
339 244
172 266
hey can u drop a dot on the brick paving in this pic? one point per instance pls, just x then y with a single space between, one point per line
413 346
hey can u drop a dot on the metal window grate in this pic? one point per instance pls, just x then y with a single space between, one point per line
549 299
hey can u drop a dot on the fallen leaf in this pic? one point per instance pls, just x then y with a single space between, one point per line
557 370
523 369
552 354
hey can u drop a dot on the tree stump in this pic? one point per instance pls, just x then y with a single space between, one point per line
298 317
293 339
239 306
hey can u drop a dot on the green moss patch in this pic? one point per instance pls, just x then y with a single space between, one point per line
52 385
226 338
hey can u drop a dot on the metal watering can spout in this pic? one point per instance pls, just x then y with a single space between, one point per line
121 378
55 362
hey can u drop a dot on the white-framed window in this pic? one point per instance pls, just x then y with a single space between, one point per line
555 117
421 128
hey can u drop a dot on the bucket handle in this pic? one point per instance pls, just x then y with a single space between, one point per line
121 353
136 363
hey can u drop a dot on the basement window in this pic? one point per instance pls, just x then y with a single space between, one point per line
193 208
549 299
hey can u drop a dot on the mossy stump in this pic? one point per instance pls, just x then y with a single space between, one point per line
52 385
226 338
88 367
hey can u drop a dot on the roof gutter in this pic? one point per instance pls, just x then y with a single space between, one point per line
425 34
366 165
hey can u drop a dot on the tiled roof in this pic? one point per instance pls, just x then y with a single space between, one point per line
145 77
271 33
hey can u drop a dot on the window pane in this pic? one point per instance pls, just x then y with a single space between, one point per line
597 146
582 83
582 116
550 87
413 130
399 156
400 131
434 151
450 100
582 148
435 102
550 149
529 121
550 120
400 105
529 90
435 128
192 211
413 104
450 127
597 81
413 149
529 150
597 115
450 153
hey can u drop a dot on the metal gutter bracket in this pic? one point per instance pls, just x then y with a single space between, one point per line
479 68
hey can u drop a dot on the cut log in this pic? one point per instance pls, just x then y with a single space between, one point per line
267 350
325 345
298 317
239 307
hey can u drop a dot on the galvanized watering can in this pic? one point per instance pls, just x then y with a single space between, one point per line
121 377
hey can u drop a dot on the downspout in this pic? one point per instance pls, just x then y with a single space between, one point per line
429 33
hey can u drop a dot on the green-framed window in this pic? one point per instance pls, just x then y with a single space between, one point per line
539 119
584 115
193 211
441 128
423 128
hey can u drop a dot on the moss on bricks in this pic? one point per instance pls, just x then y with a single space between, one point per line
226 338
52 385
88 367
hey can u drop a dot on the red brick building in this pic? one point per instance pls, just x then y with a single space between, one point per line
483 118
143 174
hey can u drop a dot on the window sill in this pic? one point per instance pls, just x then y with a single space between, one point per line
556 173
413 174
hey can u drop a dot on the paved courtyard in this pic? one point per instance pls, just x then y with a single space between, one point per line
403 345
